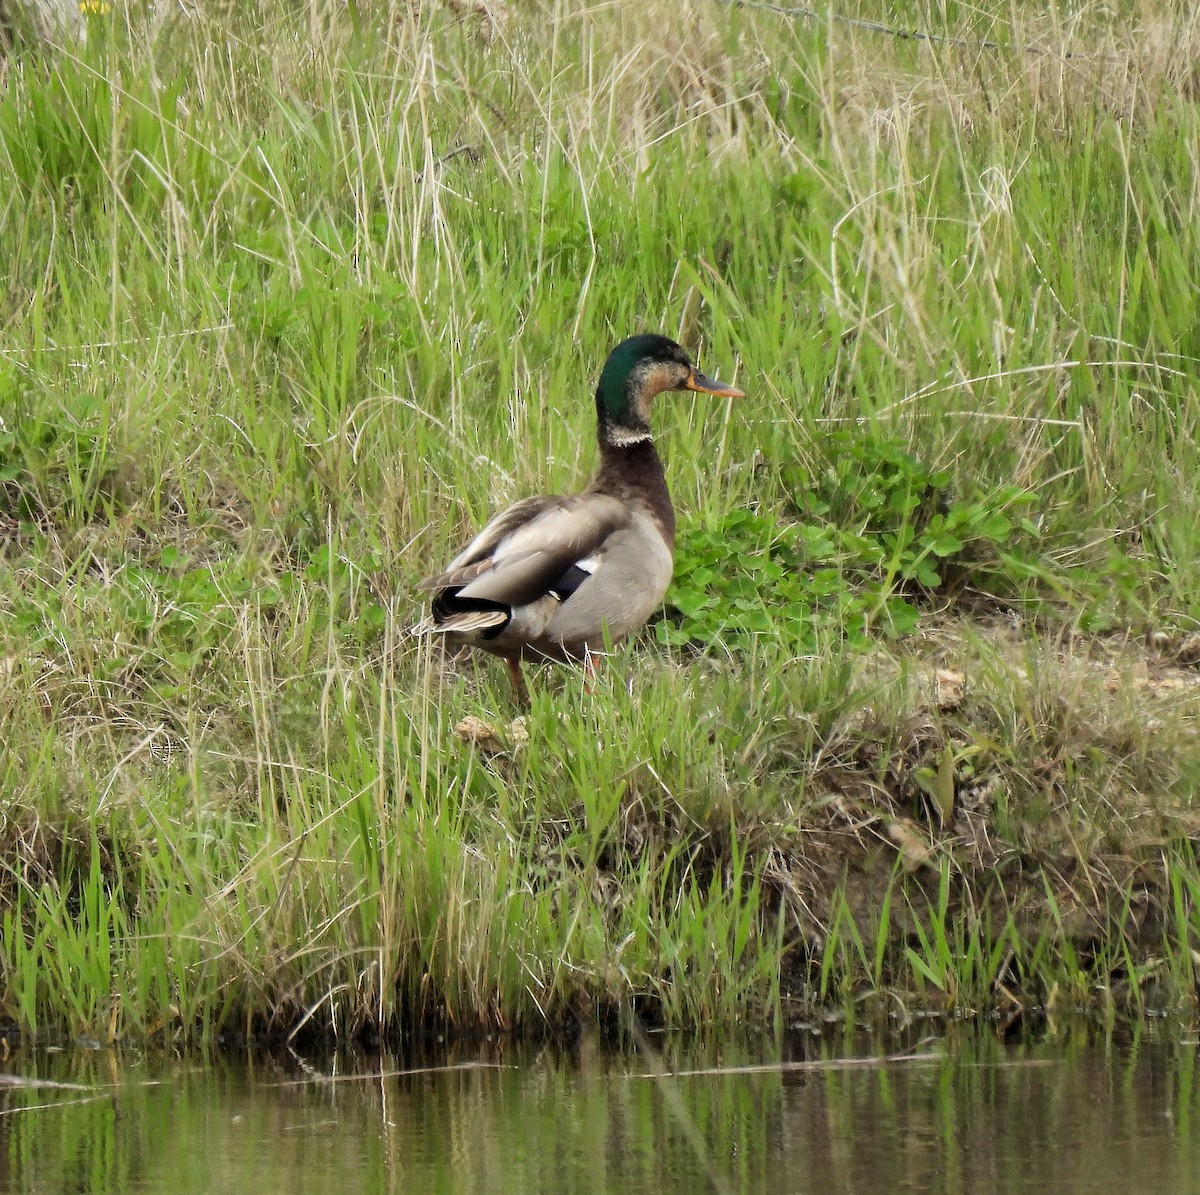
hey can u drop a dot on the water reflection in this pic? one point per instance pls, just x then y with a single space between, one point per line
1073 1112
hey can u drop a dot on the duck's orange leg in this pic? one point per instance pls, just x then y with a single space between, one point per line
590 669
520 692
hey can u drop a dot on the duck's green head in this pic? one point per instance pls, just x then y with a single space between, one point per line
636 370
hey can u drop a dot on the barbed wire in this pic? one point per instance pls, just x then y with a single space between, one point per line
939 39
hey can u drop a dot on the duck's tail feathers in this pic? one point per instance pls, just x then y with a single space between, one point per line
465 622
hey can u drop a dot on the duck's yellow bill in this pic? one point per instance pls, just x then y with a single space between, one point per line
711 386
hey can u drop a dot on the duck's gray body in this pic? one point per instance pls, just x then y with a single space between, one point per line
559 577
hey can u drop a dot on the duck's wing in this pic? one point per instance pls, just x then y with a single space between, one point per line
525 550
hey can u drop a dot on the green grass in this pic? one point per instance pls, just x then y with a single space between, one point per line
295 299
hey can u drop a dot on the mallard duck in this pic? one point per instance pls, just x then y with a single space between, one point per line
561 577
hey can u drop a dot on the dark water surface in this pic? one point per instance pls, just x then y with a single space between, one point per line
1075 1111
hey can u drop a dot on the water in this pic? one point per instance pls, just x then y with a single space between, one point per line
1072 1112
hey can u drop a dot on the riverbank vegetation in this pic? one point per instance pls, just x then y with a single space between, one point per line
296 294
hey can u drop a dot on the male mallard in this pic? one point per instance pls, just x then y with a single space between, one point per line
559 577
